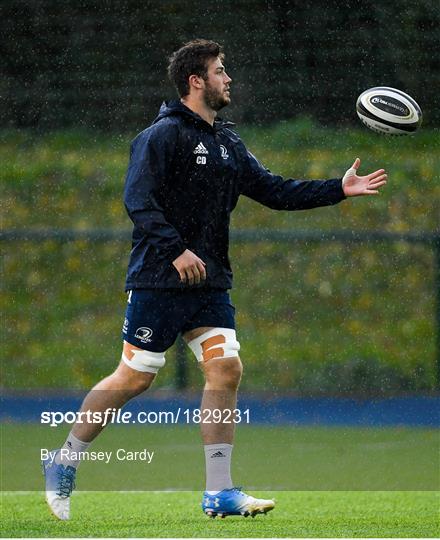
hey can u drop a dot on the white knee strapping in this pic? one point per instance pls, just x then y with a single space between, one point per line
145 360
216 343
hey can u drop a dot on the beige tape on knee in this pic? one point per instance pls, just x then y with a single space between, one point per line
216 343
147 361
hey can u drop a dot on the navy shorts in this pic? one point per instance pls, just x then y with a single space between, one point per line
154 318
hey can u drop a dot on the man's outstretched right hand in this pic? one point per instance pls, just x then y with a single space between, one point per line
190 267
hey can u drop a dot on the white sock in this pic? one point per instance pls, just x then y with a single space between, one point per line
218 467
69 454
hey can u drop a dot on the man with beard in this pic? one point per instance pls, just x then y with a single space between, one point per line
186 173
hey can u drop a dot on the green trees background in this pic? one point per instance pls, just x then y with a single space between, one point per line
312 318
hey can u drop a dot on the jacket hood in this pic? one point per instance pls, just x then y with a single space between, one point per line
176 107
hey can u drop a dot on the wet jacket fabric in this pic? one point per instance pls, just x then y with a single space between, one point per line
184 179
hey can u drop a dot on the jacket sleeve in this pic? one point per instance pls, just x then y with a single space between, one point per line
148 172
273 191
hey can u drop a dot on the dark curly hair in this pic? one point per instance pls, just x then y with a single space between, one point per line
192 59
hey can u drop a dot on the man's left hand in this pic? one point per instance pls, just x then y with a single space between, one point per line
354 185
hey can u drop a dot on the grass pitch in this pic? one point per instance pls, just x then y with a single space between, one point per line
273 458
178 514
286 463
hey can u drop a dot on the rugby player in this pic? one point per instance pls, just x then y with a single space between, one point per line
185 175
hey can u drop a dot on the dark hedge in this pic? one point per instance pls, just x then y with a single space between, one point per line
103 64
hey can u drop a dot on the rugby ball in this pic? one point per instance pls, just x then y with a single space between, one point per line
389 111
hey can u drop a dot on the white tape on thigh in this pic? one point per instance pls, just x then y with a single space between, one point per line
215 343
145 360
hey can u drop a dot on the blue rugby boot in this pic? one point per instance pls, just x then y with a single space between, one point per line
234 502
60 482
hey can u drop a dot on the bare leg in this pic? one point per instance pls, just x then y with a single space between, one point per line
222 378
112 392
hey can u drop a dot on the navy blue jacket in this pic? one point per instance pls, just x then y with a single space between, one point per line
183 181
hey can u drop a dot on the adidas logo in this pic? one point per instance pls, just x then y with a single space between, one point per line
200 149
218 454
